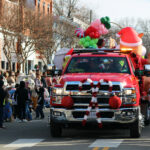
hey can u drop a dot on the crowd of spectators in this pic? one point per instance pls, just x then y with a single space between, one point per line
22 95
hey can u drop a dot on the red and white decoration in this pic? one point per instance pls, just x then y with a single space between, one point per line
93 102
129 37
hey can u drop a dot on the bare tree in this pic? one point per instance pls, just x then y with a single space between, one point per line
25 33
65 8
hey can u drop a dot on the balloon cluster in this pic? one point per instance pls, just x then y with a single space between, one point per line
88 42
90 36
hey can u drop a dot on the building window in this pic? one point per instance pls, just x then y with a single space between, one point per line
40 65
6 65
13 66
38 5
3 64
43 7
48 8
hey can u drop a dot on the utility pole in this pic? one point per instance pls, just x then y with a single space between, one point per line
91 16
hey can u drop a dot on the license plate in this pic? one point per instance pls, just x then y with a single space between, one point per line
92 114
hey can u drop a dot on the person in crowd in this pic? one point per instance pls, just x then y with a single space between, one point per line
43 80
101 43
17 74
15 104
34 97
11 78
49 83
5 77
37 80
1 75
32 74
28 103
40 103
8 107
2 97
22 97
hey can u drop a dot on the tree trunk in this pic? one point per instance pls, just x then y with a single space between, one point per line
9 66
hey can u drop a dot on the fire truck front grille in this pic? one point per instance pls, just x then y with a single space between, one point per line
88 87
88 99
103 114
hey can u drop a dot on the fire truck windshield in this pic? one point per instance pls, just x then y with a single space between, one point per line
98 65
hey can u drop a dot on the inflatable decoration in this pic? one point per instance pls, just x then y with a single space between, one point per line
93 103
115 102
129 38
99 26
67 102
90 36
79 32
106 22
67 57
88 42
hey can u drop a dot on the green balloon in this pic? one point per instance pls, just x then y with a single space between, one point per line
86 44
92 43
87 38
102 20
82 40
95 41
95 46
107 18
107 25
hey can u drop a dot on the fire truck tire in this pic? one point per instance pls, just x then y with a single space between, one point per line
55 130
135 129
147 115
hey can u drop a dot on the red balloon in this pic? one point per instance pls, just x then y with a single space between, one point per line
67 102
89 30
115 102
92 35
97 35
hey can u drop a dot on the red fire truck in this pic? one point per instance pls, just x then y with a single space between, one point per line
100 88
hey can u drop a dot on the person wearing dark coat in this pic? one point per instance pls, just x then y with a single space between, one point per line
3 94
43 80
22 97
39 109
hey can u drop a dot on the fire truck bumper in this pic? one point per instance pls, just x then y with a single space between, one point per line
120 116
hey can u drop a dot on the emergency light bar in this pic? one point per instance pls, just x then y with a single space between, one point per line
89 50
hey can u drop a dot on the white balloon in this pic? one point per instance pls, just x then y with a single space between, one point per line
143 50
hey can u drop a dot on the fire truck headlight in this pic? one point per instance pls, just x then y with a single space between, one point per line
129 100
129 91
57 91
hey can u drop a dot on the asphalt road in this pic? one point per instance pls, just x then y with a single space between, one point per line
35 135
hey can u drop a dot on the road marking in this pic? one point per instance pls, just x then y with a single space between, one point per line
24 143
95 148
106 143
105 148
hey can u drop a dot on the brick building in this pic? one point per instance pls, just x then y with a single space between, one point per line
42 6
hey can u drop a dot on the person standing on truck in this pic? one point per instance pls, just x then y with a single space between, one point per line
101 43
138 63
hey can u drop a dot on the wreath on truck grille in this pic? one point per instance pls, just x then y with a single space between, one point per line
114 101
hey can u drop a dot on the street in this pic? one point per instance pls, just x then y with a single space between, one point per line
36 135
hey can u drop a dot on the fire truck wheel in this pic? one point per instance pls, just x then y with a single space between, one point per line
147 114
135 129
55 130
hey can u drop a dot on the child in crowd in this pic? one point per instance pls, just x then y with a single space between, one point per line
40 103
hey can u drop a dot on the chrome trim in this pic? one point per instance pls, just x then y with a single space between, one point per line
117 118
147 67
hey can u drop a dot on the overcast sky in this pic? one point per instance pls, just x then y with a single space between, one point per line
117 9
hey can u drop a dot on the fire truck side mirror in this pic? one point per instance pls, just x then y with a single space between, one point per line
57 72
147 70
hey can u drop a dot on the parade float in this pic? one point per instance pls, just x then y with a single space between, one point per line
101 87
